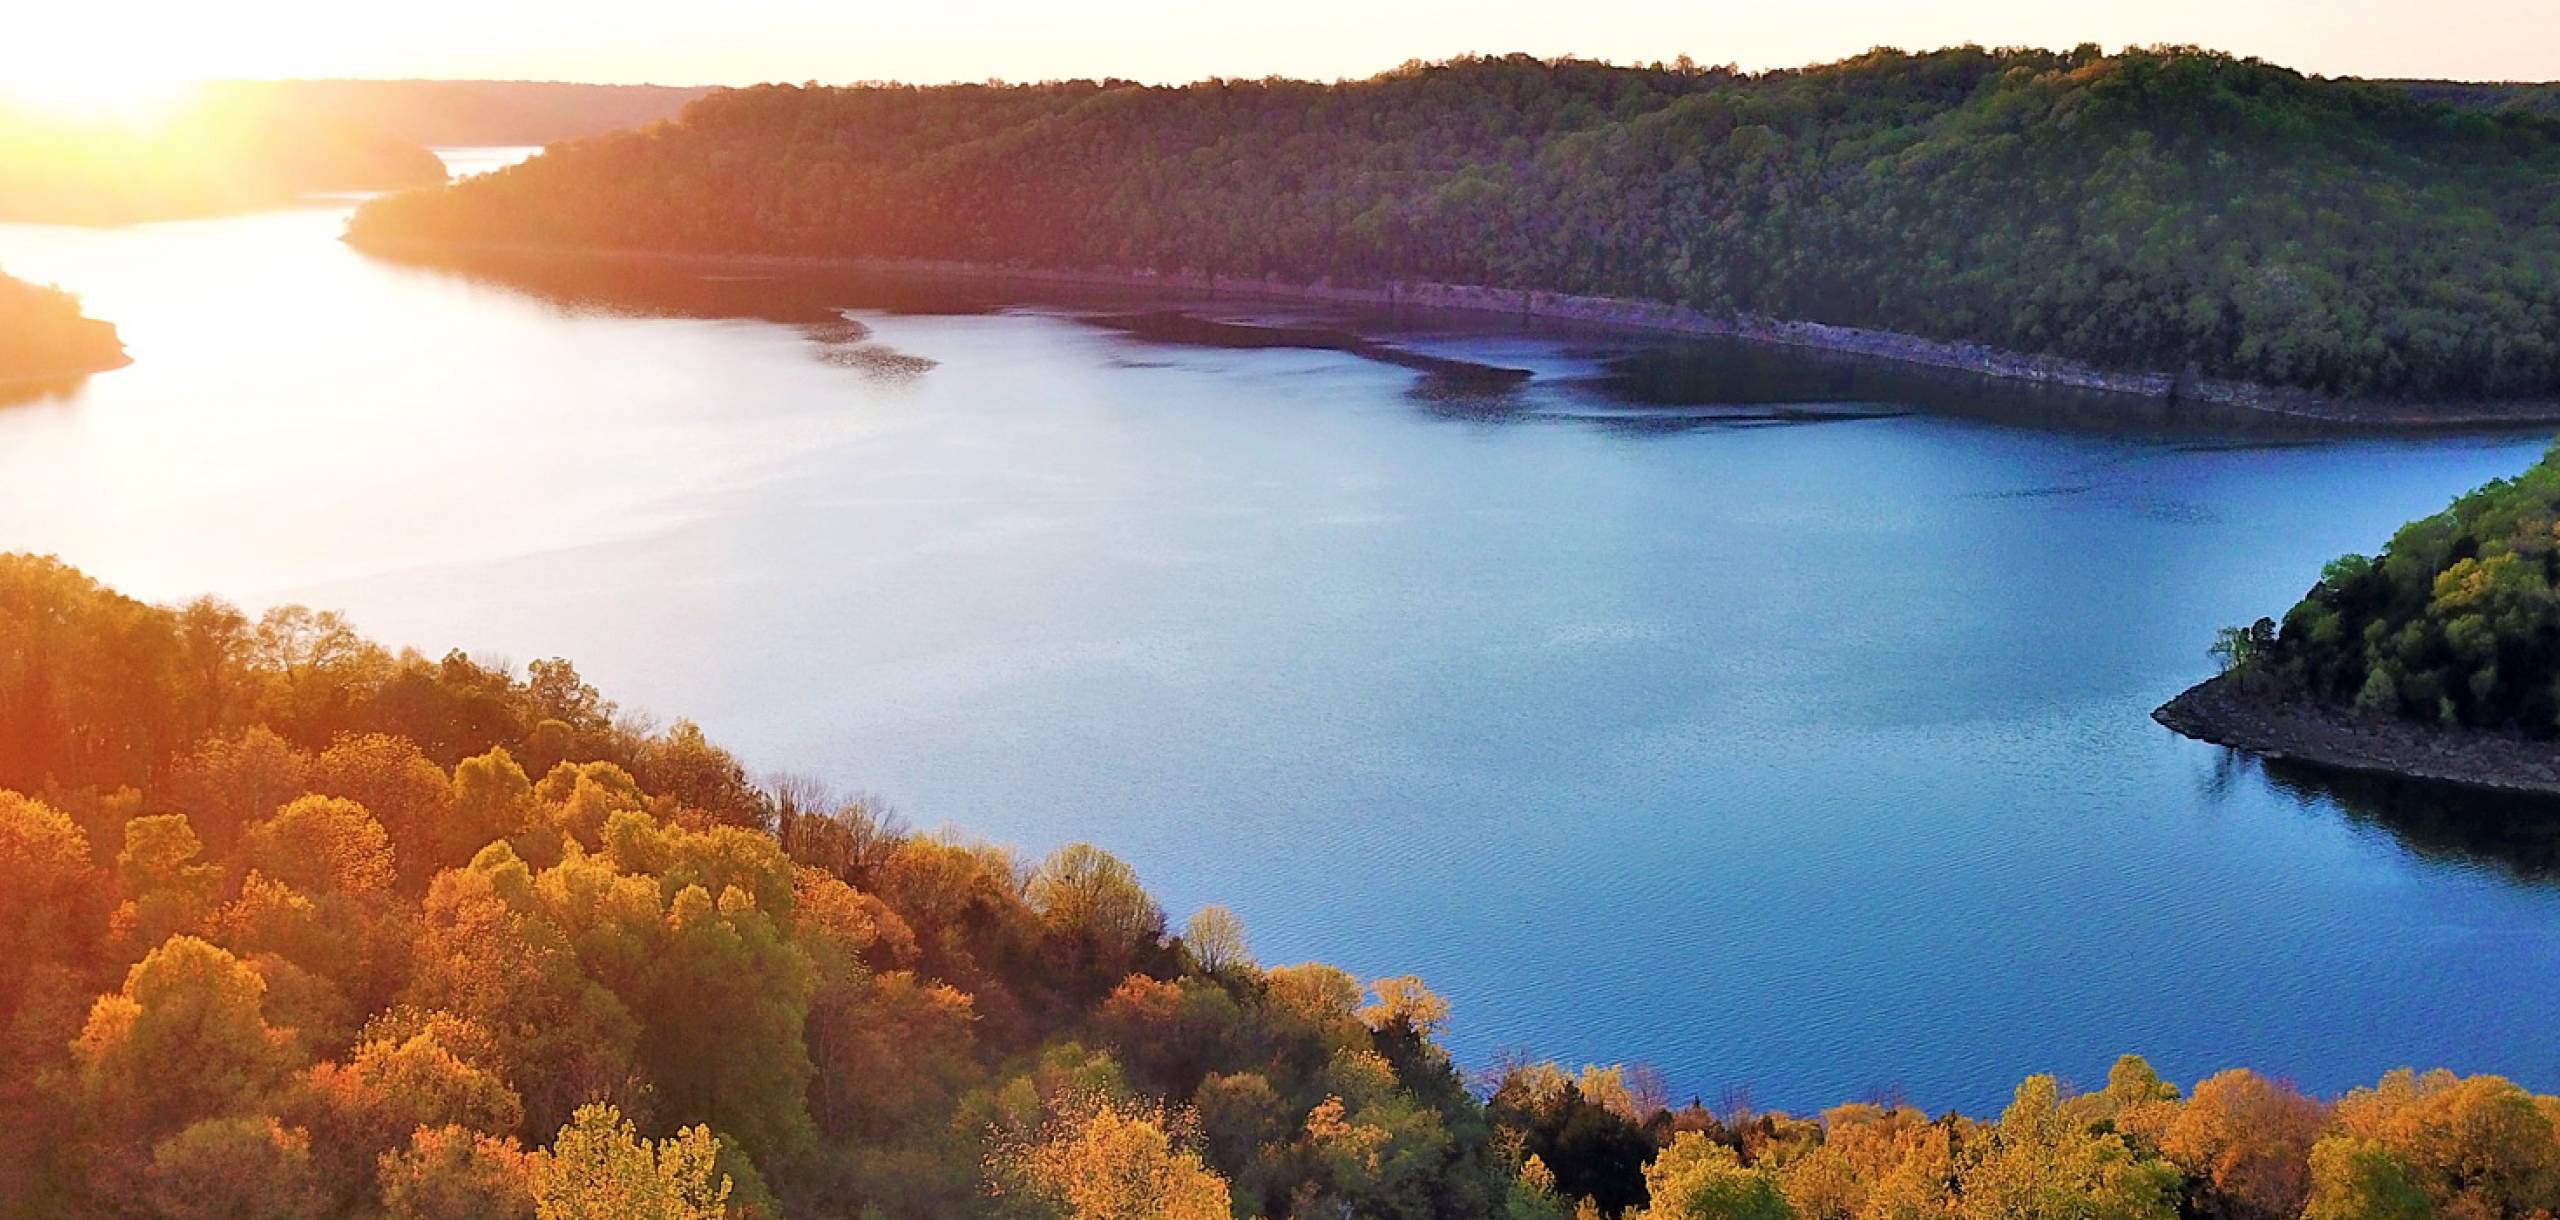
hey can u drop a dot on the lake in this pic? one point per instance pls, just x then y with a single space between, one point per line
1803 751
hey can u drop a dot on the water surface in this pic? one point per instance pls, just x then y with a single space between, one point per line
1792 740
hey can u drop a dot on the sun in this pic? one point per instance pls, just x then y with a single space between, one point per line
110 96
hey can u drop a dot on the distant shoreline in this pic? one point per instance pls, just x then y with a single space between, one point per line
1619 313
2276 725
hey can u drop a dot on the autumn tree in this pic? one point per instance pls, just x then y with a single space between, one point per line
1100 1160
2247 1140
600 1169
1695 1179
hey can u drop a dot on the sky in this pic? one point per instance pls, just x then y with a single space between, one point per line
105 49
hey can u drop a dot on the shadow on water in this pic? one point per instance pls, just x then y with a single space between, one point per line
1642 384
811 299
676 288
2515 837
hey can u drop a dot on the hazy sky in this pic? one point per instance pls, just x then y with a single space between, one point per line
738 41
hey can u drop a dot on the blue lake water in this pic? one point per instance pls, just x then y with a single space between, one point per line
1807 757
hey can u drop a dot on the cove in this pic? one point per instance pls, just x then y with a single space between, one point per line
1774 721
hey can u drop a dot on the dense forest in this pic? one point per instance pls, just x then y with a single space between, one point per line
438 113
44 334
213 155
301 927
2457 622
2541 99
2165 210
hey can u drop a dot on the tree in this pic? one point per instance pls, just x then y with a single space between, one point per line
167 889
229 783
50 917
1696 1179
599 1169
685 766
1215 939
449 1173
243 1168
324 845
1100 1160
491 800
404 790
51 929
2040 1162
725 1008
366 1110
187 1003
2476 1146
2248 1139
1097 915
1405 1003
2356 1179
488 953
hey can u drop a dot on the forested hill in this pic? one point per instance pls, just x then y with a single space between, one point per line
2163 210
43 334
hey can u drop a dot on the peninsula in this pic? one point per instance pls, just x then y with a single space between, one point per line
44 335
2438 659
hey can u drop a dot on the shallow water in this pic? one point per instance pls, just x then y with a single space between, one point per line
1802 750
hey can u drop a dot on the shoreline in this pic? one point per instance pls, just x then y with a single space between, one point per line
67 373
1609 312
2275 726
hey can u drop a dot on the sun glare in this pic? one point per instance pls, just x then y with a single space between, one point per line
92 96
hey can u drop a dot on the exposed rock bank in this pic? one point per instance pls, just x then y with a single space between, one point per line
2277 725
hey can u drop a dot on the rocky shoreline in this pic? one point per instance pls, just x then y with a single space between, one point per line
1618 313
2275 725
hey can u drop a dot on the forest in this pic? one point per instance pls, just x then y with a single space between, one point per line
2164 210
44 334
2541 99
303 927
2455 622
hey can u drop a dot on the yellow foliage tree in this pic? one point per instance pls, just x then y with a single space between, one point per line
600 1169
1100 1160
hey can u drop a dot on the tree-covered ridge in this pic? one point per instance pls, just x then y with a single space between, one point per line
302 928
2457 621
44 334
2160 210
2541 99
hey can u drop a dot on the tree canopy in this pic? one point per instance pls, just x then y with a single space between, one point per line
2456 622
